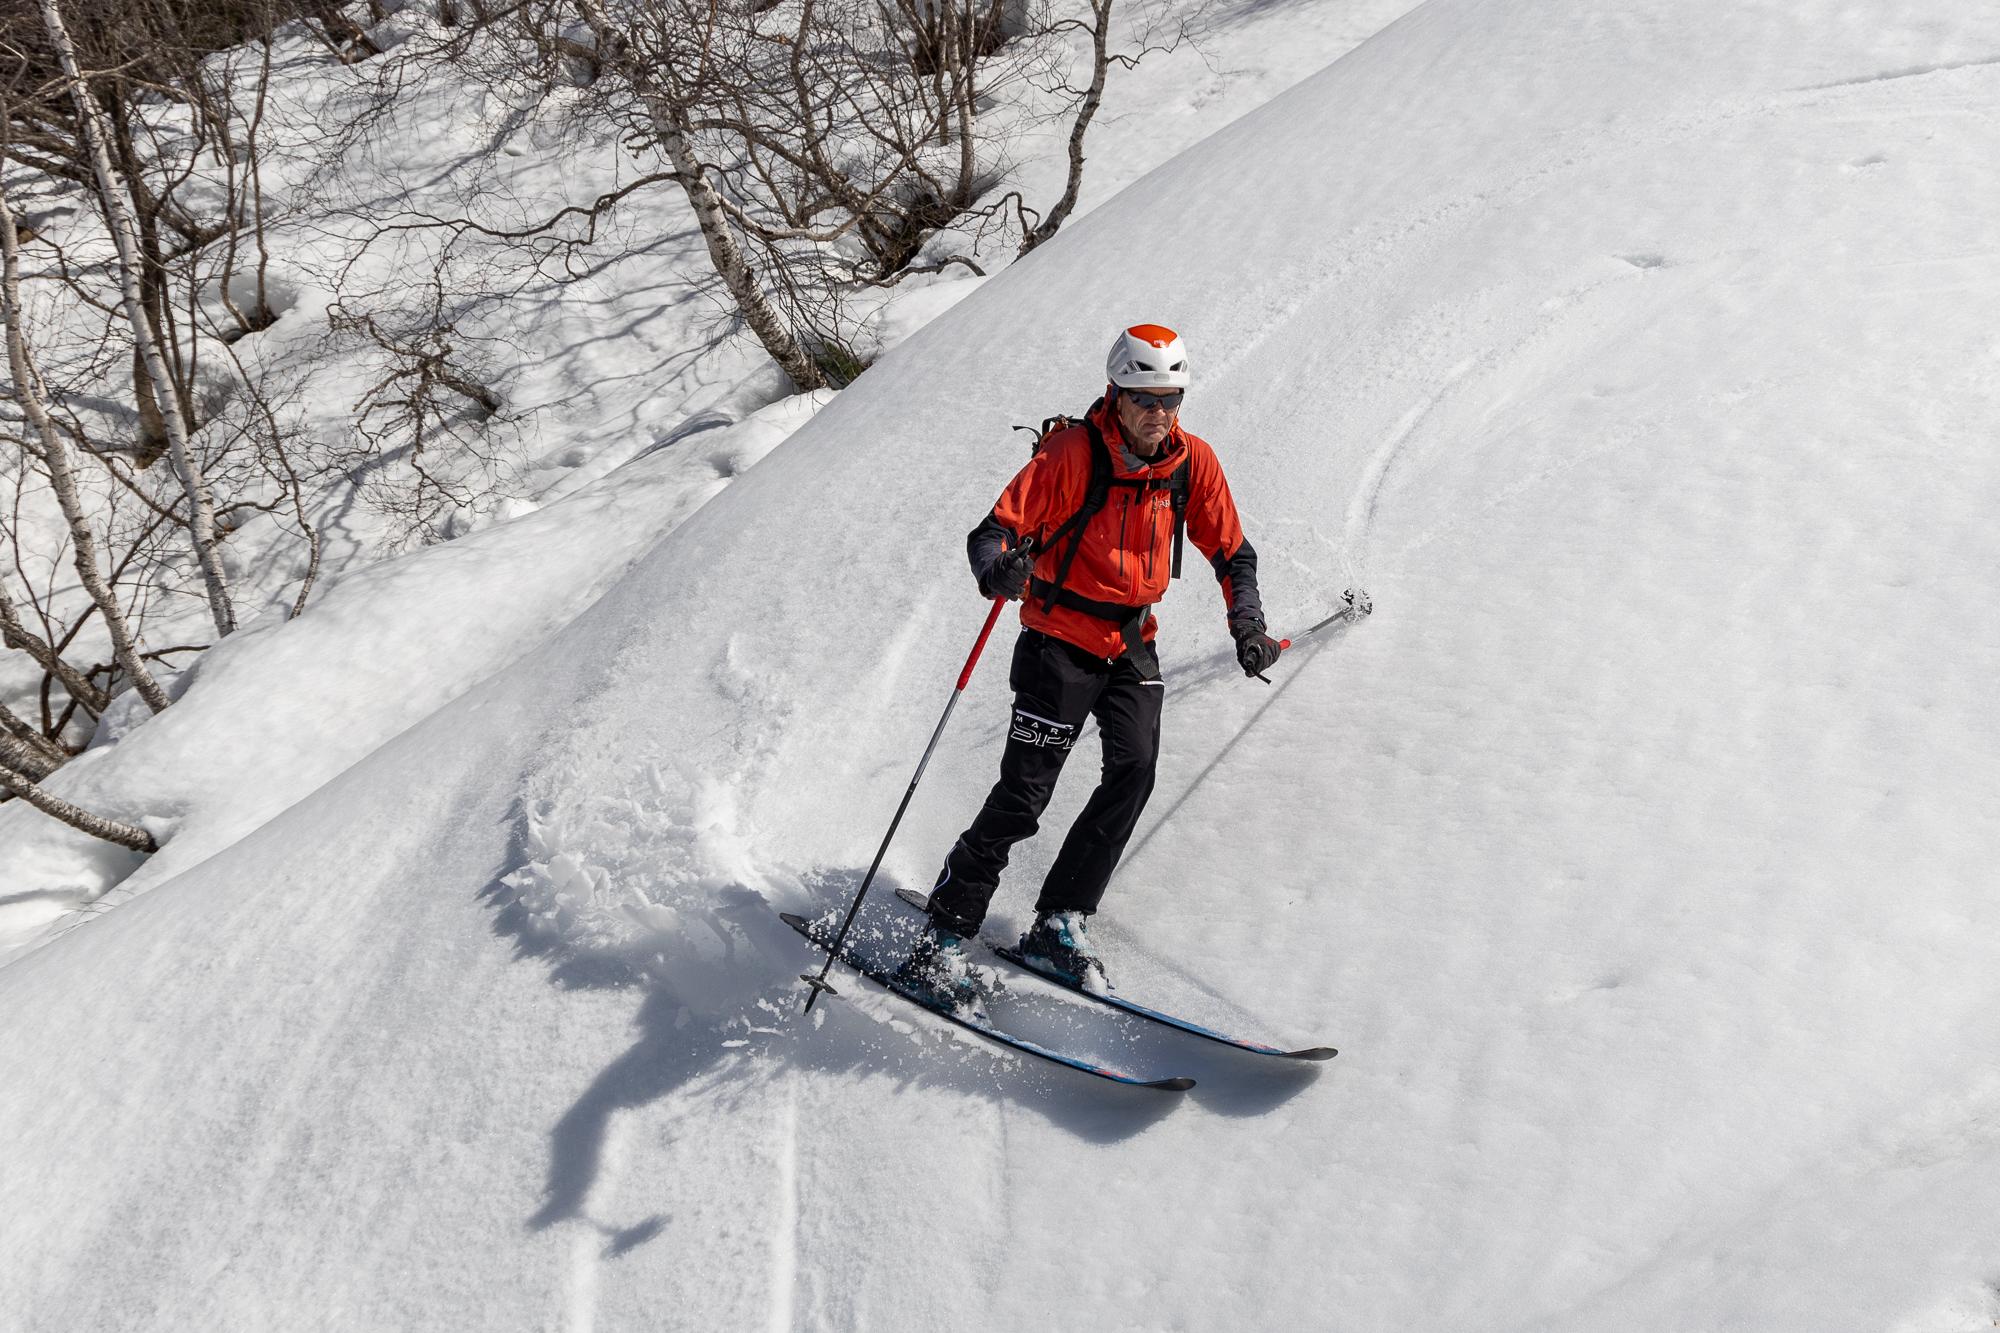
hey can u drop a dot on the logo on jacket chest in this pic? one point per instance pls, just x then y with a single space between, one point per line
1148 503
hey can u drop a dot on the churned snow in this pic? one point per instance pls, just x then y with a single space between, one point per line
1637 357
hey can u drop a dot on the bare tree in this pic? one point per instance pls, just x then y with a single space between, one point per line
651 71
28 755
348 41
145 130
54 454
829 139
827 145
96 137
1089 99
418 451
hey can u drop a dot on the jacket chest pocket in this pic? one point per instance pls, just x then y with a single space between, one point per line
1136 525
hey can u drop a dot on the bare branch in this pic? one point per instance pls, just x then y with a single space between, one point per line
14 634
74 815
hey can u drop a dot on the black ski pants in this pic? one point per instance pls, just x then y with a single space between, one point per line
1056 686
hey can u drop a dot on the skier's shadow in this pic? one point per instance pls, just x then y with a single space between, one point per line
738 1020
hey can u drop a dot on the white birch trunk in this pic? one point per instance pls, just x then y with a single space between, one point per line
201 506
614 50
26 750
1100 14
62 477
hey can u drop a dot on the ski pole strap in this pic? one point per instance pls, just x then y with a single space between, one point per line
1130 620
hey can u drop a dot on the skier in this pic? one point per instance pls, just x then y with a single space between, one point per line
1089 580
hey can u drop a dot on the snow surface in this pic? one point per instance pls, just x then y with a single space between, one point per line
597 367
1637 357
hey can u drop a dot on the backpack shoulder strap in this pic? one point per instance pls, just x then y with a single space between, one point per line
1178 487
1094 497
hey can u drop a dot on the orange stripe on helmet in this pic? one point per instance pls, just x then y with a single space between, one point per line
1156 334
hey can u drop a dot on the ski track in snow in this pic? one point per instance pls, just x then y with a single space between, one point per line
1361 506
580 1309
1914 72
587 1239
785 1225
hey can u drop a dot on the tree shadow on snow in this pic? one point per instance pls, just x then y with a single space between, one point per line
734 1017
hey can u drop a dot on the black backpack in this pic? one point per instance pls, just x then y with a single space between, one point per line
1096 496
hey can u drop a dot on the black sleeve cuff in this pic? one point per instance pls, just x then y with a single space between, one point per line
985 544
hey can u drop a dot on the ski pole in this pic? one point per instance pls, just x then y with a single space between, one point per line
1357 606
820 983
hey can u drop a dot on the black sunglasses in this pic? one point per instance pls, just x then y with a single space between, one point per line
1146 402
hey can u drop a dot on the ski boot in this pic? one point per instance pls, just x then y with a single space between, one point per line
1056 944
939 971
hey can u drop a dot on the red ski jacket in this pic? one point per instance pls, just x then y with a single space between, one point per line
1126 554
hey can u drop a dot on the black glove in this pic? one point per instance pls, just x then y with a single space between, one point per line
1008 575
1255 650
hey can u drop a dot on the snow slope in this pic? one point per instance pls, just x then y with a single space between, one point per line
597 368
1636 356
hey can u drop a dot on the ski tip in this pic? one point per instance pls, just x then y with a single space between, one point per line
1312 1053
794 920
1170 1084
916 898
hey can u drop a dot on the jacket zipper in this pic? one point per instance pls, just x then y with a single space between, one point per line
1152 534
1124 530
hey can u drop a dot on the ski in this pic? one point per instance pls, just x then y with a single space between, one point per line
1014 956
992 1034
921 901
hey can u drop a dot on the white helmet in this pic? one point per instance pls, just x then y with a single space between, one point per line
1147 356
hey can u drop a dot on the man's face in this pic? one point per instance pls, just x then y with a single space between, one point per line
1144 419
